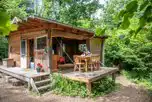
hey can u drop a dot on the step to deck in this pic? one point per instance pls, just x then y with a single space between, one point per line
44 87
42 82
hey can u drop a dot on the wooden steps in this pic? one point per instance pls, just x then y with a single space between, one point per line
40 84
44 87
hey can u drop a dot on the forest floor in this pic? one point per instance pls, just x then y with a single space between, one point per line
128 92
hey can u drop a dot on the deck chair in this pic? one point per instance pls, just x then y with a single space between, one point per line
94 62
78 64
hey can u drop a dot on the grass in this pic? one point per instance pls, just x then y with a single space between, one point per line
69 87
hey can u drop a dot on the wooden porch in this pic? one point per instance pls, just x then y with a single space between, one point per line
91 76
29 76
34 79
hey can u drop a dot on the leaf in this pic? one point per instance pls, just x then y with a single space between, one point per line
143 5
137 31
149 19
100 31
125 23
121 14
142 22
148 10
14 27
4 18
132 6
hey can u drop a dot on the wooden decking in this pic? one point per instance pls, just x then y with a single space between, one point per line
30 76
89 77
20 73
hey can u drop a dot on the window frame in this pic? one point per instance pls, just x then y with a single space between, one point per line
37 40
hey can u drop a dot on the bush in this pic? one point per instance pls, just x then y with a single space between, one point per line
134 56
3 48
69 87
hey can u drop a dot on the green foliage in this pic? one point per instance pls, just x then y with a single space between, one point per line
146 83
14 8
5 25
137 8
68 87
75 12
100 31
3 48
132 53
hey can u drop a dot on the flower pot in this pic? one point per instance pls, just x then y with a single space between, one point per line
38 69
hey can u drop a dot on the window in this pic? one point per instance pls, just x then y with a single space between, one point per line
23 47
41 43
82 47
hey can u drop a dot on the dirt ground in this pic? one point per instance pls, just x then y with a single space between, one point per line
128 92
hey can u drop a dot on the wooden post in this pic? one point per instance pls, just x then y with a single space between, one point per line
50 49
88 86
102 52
29 85
88 44
113 77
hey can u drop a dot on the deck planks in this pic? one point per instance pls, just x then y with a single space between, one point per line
90 76
20 73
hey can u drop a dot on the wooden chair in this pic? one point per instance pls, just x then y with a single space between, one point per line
77 63
97 62
91 64
94 62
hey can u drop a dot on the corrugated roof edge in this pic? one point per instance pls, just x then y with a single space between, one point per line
56 22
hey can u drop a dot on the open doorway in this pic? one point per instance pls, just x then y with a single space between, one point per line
31 53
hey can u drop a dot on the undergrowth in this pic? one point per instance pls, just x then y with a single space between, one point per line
67 87
145 82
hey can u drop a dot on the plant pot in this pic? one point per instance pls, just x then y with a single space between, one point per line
38 69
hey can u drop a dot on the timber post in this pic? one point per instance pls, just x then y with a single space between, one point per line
50 49
89 88
113 77
102 52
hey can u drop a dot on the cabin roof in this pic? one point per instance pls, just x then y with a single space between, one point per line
42 23
63 24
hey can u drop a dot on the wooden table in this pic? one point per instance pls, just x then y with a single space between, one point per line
85 59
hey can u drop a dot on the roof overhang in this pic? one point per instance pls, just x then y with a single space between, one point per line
36 23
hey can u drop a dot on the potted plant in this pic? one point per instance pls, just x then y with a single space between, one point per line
39 67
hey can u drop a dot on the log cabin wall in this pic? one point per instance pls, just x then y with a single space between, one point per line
40 56
95 45
14 48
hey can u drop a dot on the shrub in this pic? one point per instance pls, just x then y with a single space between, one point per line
3 48
69 87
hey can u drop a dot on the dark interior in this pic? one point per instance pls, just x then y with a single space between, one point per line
70 46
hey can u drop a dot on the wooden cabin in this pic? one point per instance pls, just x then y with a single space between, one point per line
39 40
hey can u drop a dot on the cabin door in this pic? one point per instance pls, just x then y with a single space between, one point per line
23 54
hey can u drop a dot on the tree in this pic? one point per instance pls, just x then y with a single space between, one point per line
108 14
142 9
14 8
73 12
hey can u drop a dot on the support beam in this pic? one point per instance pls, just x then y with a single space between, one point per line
50 49
102 52
113 77
89 87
